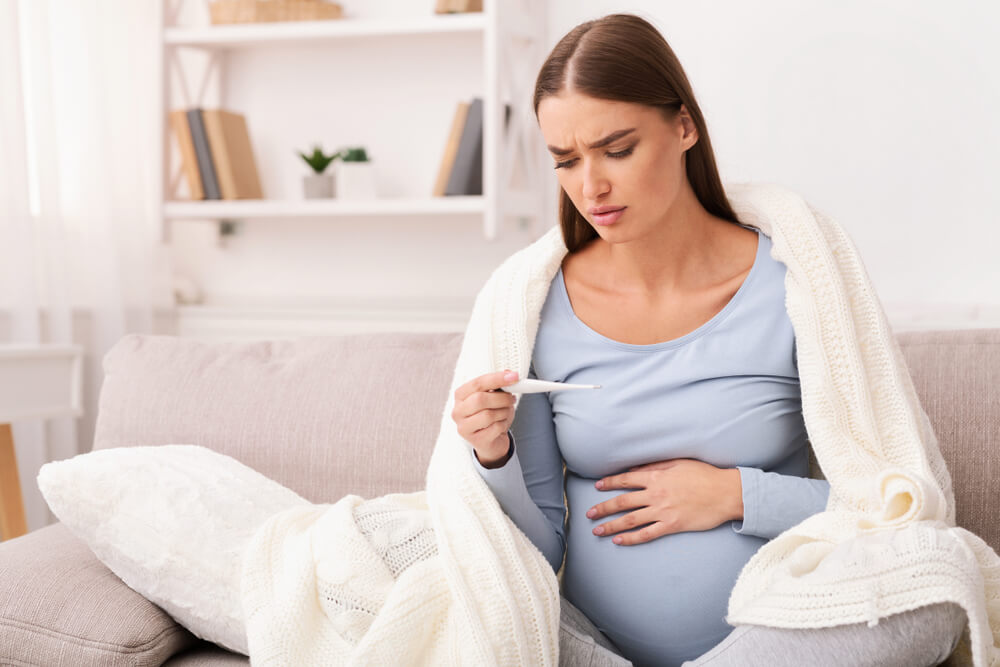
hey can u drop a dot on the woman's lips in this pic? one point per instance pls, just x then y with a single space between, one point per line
608 218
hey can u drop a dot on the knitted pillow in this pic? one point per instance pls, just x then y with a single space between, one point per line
171 521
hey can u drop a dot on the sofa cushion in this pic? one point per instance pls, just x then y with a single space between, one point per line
957 376
59 605
324 416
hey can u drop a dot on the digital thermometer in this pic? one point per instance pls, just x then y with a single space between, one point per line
532 386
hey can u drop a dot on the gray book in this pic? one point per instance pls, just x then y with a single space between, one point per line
466 176
209 180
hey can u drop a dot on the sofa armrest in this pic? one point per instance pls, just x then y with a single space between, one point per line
59 605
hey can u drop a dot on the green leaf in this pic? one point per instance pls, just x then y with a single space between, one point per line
318 161
357 154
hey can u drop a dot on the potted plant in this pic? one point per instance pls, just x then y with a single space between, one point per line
355 174
318 185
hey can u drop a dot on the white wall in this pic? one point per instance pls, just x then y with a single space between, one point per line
881 113
878 112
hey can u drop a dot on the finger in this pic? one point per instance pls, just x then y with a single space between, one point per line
483 400
630 521
491 432
626 480
486 418
487 382
644 534
620 503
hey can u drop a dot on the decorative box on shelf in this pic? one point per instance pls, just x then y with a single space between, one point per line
265 11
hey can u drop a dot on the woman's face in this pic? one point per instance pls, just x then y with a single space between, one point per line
619 155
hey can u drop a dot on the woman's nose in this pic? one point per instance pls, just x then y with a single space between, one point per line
594 182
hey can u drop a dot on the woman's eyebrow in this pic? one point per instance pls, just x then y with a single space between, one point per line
597 144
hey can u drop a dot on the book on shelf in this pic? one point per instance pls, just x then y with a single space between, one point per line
216 154
203 153
232 154
451 148
189 162
466 177
461 169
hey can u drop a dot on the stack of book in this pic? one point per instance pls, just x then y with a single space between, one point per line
216 155
461 170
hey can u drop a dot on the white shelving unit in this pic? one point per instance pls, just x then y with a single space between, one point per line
512 33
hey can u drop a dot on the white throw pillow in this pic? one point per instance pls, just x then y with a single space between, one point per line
171 521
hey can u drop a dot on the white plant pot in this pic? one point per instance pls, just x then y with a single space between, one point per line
318 186
355 180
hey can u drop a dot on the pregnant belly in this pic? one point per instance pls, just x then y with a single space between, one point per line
661 602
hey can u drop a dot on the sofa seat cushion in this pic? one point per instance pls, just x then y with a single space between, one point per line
59 605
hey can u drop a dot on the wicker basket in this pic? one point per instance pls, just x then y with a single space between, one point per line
262 11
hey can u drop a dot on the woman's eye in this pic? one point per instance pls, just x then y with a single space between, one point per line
621 154
618 155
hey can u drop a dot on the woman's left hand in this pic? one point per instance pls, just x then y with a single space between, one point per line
676 495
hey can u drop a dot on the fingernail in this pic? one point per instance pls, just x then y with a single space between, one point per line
510 375
591 513
616 540
599 530
600 484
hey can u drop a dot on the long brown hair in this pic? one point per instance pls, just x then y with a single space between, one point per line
622 57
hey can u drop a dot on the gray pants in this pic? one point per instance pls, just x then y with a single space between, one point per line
923 636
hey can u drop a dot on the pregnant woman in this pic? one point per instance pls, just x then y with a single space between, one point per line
693 453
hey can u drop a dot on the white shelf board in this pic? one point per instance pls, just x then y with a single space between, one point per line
278 32
320 208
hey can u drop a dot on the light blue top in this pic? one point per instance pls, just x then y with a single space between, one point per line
727 394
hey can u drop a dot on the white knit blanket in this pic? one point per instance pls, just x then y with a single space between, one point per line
444 577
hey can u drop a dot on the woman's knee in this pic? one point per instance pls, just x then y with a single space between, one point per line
923 636
947 621
582 643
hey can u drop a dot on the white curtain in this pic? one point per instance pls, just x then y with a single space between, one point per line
80 256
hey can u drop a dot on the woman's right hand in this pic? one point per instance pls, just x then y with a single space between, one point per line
483 414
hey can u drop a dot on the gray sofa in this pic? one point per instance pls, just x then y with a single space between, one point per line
327 416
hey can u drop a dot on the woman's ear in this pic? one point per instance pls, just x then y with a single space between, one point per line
689 136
